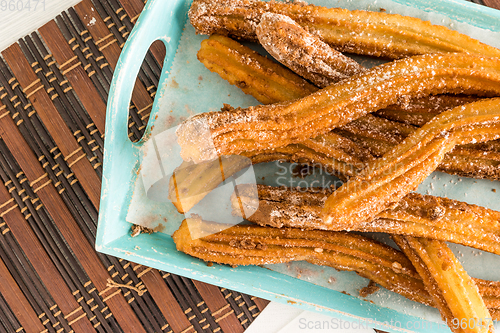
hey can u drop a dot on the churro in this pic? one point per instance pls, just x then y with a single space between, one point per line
357 31
342 152
415 215
256 245
208 135
452 289
303 52
254 74
388 179
332 128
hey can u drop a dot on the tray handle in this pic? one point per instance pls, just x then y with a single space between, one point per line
163 23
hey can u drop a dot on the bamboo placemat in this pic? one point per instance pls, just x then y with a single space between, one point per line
53 90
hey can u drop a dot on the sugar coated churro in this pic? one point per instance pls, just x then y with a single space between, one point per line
381 130
454 292
365 138
342 152
255 245
208 135
363 32
388 179
415 215
304 53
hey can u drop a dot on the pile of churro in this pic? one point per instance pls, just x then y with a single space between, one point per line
434 106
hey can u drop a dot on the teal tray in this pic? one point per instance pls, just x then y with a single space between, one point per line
167 21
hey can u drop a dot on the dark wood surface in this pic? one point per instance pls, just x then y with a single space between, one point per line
54 85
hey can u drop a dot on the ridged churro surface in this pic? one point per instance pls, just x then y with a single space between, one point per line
255 245
303 52
232 131
363 32
454 292
415 215
388 179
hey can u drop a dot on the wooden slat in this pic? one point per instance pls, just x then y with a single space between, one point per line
17 302
492 3
34 250
111 50
164 299
68 227
99 46
133 9
78 78
216 302
261 303
53 121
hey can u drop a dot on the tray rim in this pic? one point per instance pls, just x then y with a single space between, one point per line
113 231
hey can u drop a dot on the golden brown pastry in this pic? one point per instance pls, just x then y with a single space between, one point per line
388 179
303 52
232 131
454 292
362 139
342 152
254 74
363 32
255 245
415 215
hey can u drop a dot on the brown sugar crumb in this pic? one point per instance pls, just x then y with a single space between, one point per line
396 267
368 290
226 107
383 10
210 264
494 190
174 84
247 244
136 230
159 228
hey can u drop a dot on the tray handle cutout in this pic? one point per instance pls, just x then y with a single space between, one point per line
164 23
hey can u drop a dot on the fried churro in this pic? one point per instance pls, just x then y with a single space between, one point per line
415 215
269 82
363 32
256 245
190 182
303 52
388 179
452 289
206 136
332 127
252 73
333 153
418 111
343 152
